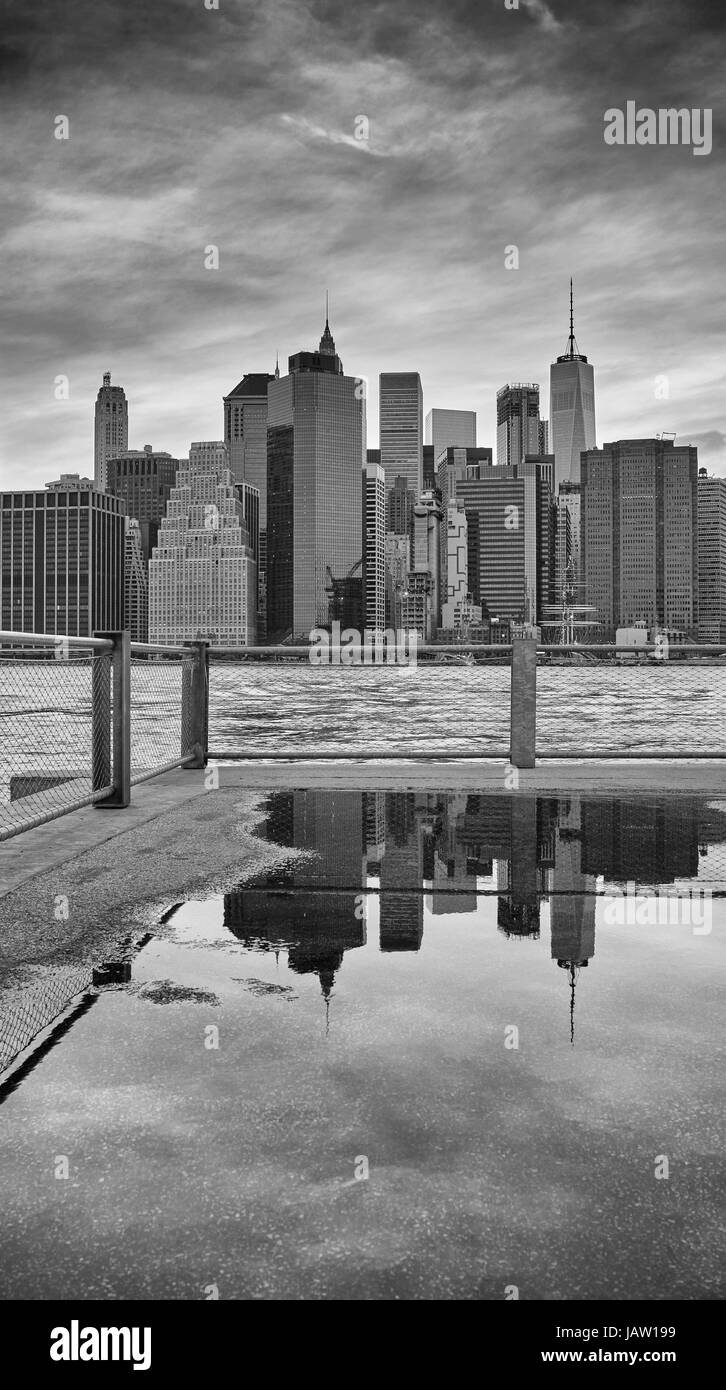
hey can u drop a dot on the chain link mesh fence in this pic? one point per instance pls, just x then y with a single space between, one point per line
160 713
637 707
54 754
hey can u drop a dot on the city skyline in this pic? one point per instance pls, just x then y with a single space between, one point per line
109 229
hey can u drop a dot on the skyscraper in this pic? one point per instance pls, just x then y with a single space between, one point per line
374 547
639 518
572 408
111 428
142 479
517 421
509 529
245 434
202 574
421 599
61 559
315 457
446 428
136 584
711 558
245 428
455 578
401 429
400 503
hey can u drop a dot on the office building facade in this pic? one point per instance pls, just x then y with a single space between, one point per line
711 558
517 422
202 572
401 429
111 428
450 428
61 559
142 479
245 434
136 584
374 547
421 598
638 535
509 530
315 457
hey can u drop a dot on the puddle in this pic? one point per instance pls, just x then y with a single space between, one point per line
444 1051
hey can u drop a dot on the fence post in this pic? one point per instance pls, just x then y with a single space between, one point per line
523 727
113 747
195 707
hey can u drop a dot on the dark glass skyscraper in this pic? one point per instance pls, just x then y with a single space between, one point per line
638 534
142 479
315 460
245 434
401 430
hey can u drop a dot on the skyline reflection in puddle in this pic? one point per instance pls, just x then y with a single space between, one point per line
510 1007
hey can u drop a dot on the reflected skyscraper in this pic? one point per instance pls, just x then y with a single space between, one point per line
401 877
311 907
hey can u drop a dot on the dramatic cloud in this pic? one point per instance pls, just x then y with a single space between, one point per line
387 153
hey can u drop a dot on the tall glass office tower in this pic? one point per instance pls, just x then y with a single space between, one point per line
572 409
401 427
316 440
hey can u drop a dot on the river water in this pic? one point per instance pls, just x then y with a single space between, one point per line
45 711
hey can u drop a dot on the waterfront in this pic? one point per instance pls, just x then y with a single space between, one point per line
365 986
670 707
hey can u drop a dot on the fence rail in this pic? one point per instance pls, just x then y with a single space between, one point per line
82 720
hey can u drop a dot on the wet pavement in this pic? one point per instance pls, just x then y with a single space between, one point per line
433 1046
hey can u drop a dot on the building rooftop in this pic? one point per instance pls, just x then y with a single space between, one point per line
253 384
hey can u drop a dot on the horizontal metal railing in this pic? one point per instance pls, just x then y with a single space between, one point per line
120 711
147 710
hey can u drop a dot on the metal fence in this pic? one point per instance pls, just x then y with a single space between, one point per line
607 702
55 701
521 702
81 719
161 724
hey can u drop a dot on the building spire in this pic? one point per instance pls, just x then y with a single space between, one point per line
277 365
572 352
327 344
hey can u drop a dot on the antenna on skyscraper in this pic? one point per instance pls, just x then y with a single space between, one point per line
572 350
327 315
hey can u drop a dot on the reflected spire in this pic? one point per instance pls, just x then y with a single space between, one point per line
573 970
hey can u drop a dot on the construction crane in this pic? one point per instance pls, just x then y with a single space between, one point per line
341 591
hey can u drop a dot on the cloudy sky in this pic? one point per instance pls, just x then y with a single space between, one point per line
239 128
